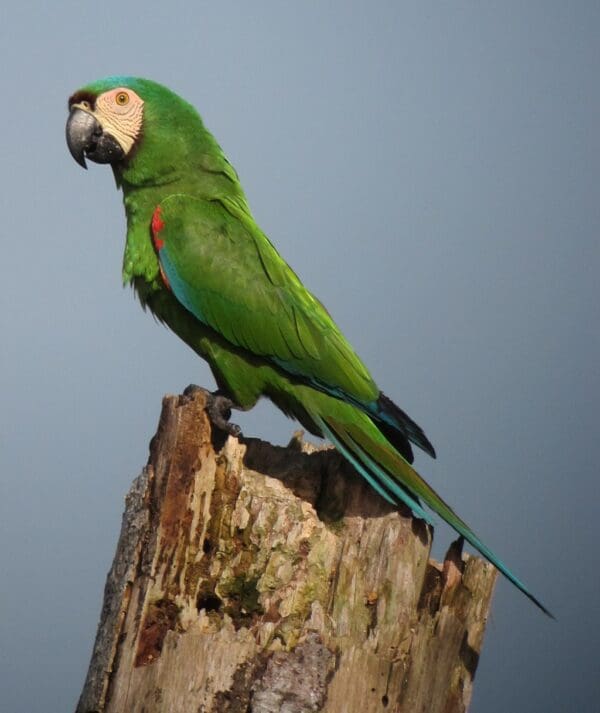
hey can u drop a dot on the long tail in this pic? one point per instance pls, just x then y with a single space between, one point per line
360 441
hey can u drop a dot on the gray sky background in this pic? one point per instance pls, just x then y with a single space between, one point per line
431 171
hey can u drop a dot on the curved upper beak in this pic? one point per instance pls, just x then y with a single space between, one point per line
82 127
86 138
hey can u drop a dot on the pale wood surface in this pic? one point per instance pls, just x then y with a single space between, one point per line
251 578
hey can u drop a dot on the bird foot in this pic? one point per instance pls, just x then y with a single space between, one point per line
218 408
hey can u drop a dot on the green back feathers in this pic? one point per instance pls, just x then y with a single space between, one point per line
225 271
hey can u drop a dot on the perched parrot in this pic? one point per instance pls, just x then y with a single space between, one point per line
197 259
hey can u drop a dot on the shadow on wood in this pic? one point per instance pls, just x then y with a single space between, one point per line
251 578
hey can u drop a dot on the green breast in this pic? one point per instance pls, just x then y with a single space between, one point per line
140 262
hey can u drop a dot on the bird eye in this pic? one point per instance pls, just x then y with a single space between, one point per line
122 98
85 104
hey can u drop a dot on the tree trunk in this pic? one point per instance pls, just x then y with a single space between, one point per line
254 578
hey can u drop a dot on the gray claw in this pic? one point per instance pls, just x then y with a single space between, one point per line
218 408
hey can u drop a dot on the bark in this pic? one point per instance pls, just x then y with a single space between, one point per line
254 578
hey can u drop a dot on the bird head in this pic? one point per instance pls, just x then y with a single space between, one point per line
150 136
105 121
143 129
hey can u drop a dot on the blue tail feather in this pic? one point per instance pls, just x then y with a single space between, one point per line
389 487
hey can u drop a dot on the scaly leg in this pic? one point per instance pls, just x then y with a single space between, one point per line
218 408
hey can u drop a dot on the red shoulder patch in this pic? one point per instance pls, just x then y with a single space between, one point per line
157 225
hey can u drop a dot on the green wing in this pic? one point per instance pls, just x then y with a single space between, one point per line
224 270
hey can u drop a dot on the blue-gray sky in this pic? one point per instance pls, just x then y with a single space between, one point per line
431 171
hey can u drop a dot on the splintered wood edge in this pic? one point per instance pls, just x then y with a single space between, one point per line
122 573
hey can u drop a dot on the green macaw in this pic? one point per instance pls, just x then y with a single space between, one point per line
197 259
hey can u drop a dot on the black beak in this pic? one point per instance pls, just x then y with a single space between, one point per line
86 138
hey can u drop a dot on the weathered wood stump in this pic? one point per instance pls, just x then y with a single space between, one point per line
255 578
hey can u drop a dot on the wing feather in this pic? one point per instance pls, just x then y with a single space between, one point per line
225 271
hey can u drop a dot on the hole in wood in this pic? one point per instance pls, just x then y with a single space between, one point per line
209 603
